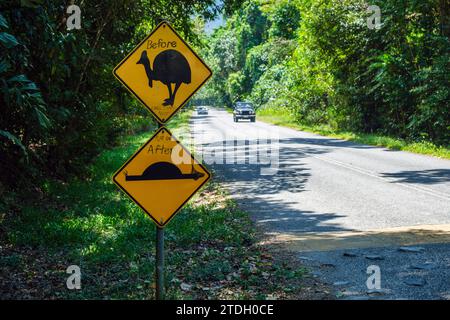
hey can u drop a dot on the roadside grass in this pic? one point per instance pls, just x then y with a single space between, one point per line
211 246
282 117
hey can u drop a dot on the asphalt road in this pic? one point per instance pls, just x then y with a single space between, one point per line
323 197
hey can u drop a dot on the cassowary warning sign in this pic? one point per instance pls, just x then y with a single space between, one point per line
163 72
161 176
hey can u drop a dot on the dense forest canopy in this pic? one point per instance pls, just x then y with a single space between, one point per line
319 61
60 104
316 59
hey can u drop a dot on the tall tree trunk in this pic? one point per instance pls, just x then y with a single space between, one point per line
444 17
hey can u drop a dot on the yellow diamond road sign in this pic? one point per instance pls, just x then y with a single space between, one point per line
161 176
163 72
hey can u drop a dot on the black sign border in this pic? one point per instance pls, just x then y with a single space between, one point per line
162 121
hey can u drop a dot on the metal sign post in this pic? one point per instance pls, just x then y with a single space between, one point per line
159 275
159 270
163 72
161 177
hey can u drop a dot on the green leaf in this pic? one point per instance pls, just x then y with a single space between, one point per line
64 113
3 22
8 40
4 66
31 3
19 78
14 140
44 121
30 86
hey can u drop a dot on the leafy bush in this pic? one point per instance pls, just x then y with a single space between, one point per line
60 104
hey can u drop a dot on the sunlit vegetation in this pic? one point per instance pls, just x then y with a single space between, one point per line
60 104
321 62
283 117
212 249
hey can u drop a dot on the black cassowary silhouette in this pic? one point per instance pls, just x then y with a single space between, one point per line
164 171
169 66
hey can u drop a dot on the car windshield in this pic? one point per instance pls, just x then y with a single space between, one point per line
245 106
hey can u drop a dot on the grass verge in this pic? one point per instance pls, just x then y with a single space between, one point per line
211 246
283 118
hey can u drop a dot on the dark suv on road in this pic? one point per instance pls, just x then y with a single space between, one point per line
244 110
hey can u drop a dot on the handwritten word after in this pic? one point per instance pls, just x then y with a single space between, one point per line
159 149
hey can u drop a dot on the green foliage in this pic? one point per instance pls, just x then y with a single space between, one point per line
283 116
391 81
90 222
285 20
252 42
266 55
379 80
60 103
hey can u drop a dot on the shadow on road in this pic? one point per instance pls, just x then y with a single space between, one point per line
257 193
422 176
328 142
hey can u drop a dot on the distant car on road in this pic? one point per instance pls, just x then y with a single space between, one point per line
244 110
202 110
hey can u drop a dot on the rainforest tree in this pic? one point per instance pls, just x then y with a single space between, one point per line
320 60
59 103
